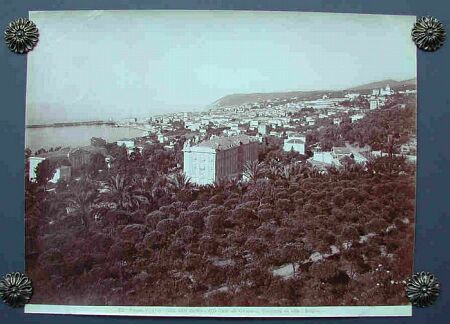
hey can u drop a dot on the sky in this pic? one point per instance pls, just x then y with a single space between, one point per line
96 65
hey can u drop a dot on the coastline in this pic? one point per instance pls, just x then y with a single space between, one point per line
69 124
75 135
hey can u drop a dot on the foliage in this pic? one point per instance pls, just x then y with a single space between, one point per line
98 142
45 172
373 130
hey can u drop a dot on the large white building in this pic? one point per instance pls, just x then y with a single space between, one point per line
337 154
218 158
295 142
323 157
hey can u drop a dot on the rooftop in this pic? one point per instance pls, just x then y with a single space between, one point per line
62 153
341 150
226 142
90 149
295 135
295 141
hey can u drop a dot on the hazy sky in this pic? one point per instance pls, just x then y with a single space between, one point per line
118 64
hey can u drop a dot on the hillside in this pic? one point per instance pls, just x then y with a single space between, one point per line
382 84
243 98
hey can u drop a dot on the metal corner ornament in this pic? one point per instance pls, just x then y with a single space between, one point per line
21 35
422 289
428 33
15 289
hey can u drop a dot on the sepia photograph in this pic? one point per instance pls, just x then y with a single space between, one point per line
220 158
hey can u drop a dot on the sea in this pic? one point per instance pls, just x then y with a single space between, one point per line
76 136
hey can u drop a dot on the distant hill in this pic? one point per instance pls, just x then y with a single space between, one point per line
243 98
382 84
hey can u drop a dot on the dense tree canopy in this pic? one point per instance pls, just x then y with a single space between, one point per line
266 241
373 130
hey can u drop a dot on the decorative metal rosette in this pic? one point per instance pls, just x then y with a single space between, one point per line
428 33
21 35
422 289
15 289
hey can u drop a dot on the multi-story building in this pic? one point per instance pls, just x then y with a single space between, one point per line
374 103
295 142
82 155
219 158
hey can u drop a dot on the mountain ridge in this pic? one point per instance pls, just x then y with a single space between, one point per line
243 98
381 84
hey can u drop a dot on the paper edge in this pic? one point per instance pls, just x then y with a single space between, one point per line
163 311
175 10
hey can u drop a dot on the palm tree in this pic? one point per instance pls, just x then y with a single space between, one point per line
181 186
81 201
219 185
179 181
126 196
289 172
315 173
253 170
273 169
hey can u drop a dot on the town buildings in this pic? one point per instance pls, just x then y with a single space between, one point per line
65 160
352 96
218 158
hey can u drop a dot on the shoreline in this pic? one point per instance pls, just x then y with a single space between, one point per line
72 124
37 138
